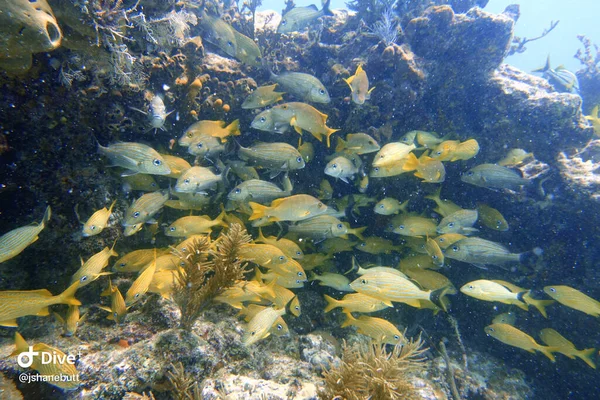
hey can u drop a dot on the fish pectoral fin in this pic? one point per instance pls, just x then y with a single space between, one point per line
9 323
129 172
108 309
43 312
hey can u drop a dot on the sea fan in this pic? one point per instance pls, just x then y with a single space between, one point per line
386 29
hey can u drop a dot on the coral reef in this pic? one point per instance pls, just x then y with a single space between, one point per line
589 75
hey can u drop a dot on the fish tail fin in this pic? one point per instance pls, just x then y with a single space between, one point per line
287 183
258 210
586 356
112 206
261 237
328 134
21 345
355 266
530 258
112 252
539 304
220 219
341 145
358 232
68 296
435 196
438 297
547 351
403 206
47 216
545 68
234 128
349 320
331 303
326 9
412 162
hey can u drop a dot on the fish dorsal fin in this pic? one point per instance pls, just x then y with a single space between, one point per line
42 292
349 82
276 202
312 7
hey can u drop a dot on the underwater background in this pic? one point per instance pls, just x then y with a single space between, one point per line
188 188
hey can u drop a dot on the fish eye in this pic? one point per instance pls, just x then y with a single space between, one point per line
186 181
438 153
83 278
451 224
157 162
441 240
284 22
281 258
122 265
320 205
470 286
279 327
189 134
363 281
401 227
137 295
454 248
470 173
334 166
200 145
93 227
229 43
300 274
298 281
371 142
136 214
299 159
298 253
172 229
376 169
434 257
297 308
340 226
381 206
396 337
115 315
321 91
552 290
262 119
363 244
498 223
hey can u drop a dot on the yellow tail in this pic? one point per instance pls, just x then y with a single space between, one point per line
68 296
47 216
328 135
539 304
331 303
21 345
358 232
547 351
586 355
411 163
258 211
220 219
350 320
341 145
234 128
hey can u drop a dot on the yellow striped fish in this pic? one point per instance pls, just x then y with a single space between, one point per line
355 302
72 320
117 310
139 287
564 346
14 242
135 158
380 330
259 327
92 268
19 303
574 299
144 208
98 221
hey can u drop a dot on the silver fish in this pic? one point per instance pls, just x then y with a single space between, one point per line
560 77
136 158
157 113
304 86
144 208
341 168
197 179
260 191
14 242
299 17
492 176
219 33
273 156
460 221
479 251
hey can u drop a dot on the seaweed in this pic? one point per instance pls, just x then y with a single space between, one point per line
386 29
208 269
518 43
370 371
590 61
184 385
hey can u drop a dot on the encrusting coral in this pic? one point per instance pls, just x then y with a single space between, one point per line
371 372
208 269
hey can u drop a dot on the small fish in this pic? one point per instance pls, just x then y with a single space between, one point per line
299 17
323 227
420 261
428 169
314 260
377 245
265 255
493 176
57 371
515 157
325 191
242 292
561 78
341 168
461 221
594 120
72 320
454 150
260 191
137 259
258 328
243 171
216 129
197 179
444 207
336 281
435 252
300 116
336 245
572 298
19 303
176 164
409 138
157 113
512 336
508 318
378 329
293 208
139 287
392 154
288 247
136 158
247 51
479 251
166 282
491 291
445 240
287 281
389 206
388 170
92 268
144 208
554 339
428 140
219 33
117 310
429 280
189 201
307 151
355 302
273 156
411 225
194 225
357 143
363 184
98 221
14 242
206 146
279 328
131 230
290 269
141 182
262 96
359 86
491 218
295 308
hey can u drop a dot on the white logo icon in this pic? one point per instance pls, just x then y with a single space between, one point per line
25 359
